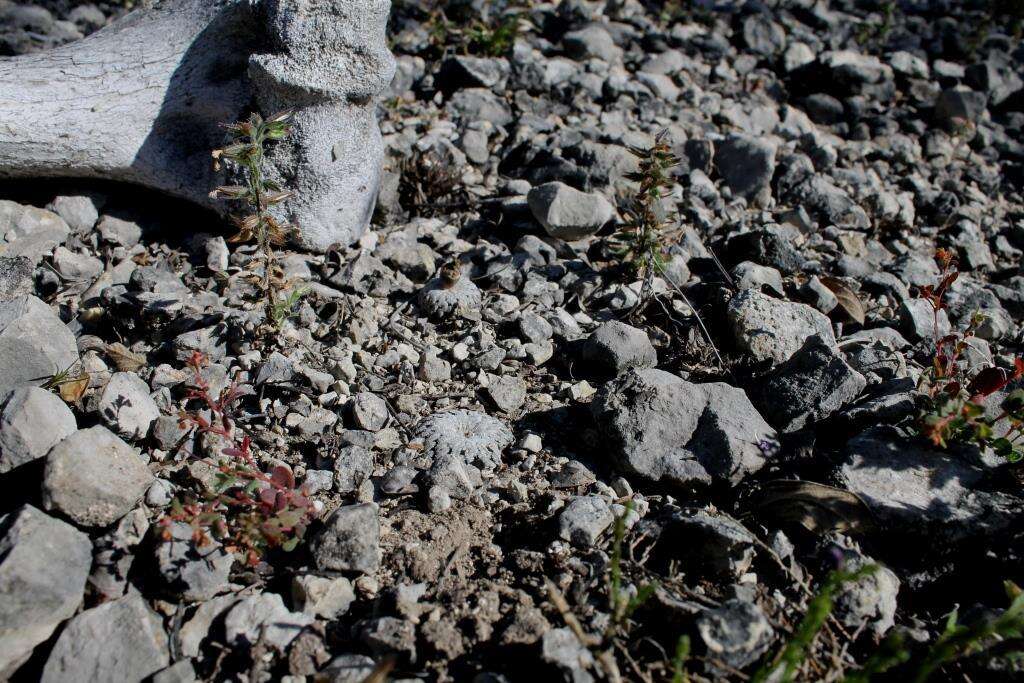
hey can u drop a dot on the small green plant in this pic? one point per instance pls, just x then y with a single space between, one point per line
246 152
679 658
1013 13
642 240
283 308
954 410
890 653
249 510
492 41
67 383
439 29
877 32
787 662
674 11
622 603
954 643
958 640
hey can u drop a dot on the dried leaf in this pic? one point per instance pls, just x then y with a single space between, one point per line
382 670
848 299
72 390
816 507
124 358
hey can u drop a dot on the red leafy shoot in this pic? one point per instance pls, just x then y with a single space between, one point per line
955 394
250 511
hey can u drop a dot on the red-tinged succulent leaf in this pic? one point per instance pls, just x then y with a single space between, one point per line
988 381
282 477
268 496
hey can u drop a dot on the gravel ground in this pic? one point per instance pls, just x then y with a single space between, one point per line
489 416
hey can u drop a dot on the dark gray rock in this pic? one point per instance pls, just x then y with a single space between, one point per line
32 421
389 636
910 487
263 618
746 164
369 411
750 275
815 293
584 519
121 640
15 277
814 383
277 368
479 104
29 231
507 392
44 563
919 320
773 329
192 572
80 212
959 104
763 36
666 429
196 628
737 633
869 602
997 76
772 246
321 596
723 548
126 406
560 647
119 232
615 347
877 360
534 328
352 467
349 541
462 71
348 669
34 343
181 671
114 554
94 478
566 213
855 68
591 41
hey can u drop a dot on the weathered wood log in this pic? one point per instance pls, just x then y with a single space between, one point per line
142 101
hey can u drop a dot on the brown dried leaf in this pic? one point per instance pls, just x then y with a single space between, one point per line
381 672
816 507
848 299
124 358
72 390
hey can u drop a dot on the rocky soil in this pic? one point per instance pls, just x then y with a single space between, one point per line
473 394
